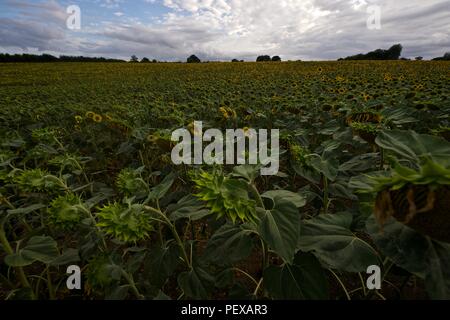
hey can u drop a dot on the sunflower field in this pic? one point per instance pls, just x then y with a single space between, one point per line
86 179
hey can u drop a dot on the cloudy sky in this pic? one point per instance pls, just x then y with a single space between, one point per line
224 29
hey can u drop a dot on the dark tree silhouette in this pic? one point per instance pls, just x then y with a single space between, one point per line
393 53
263 59
145 60
49 58
134 59
276 59
193 59
446 57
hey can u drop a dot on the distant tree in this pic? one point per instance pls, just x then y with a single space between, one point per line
145 60
263 59
49 58
154 61
393 53
419 58
193 59
276 59
134 59
235 60
445 57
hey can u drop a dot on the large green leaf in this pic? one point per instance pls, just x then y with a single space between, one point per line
418 254
308 173
280 228
304 279
38 248
229 244
330 239
195 283
188 207
247 171
161 189
341 189
67 257
276 195
326 166
361 163
28 209
413 146
162 262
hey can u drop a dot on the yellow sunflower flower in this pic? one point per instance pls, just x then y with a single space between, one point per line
97 118
90 114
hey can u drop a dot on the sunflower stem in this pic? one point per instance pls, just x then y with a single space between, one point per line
9 250
174 232
257 195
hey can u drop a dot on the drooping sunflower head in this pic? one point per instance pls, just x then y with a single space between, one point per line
442 131
225 196
194 130
367 116
66 212
365 127
125 222
228 113
224 112
418 198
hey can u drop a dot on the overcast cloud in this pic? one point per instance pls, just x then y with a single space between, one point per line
225 29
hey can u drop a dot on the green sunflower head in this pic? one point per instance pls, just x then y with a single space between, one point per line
66 212
36 180
130 183
225 196
44 135
101 273
125 222
365 127
6 156
299 154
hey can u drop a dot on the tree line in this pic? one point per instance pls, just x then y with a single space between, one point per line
5 57
392 53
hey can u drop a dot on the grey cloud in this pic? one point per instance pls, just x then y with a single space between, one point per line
310 29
